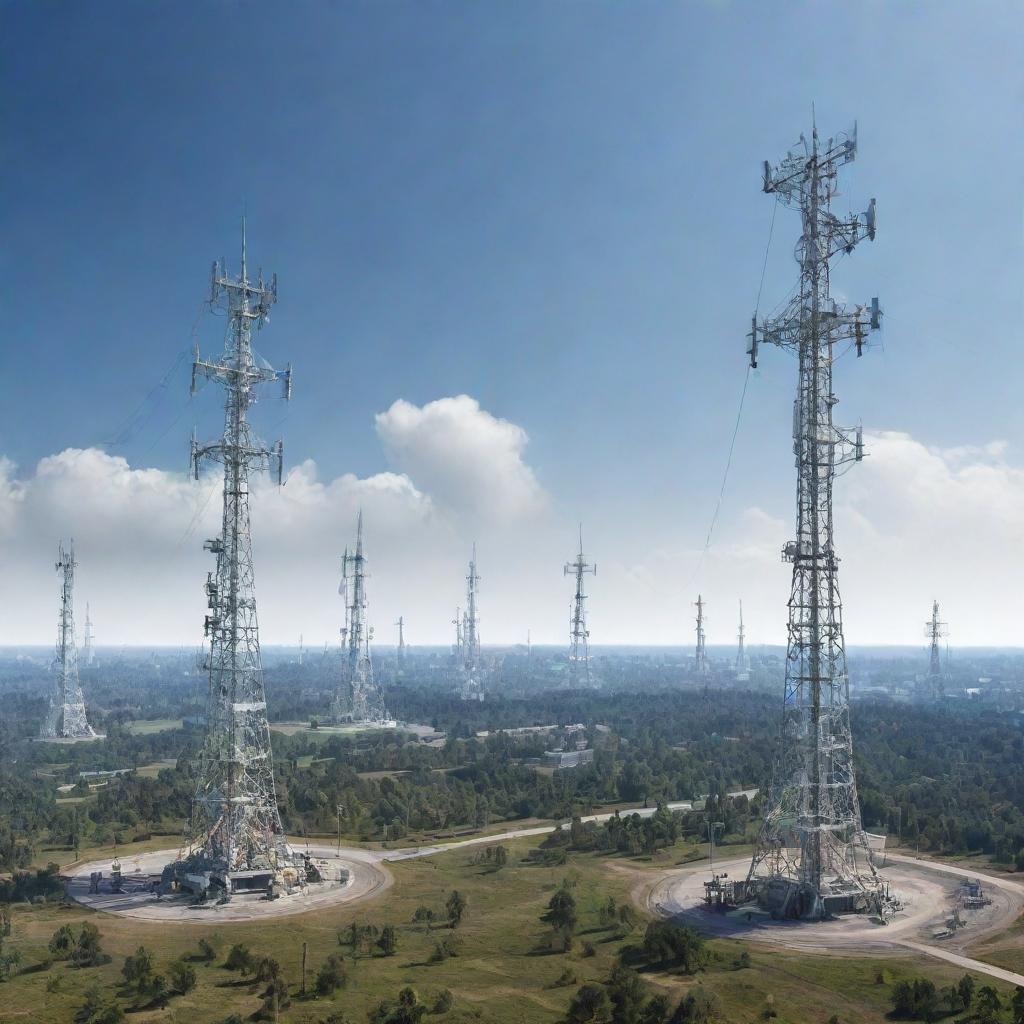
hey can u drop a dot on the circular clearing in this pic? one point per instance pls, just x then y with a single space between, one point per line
367 878
931 893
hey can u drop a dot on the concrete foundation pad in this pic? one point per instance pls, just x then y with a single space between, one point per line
366 878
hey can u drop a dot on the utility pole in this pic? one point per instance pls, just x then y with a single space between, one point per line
66 718
236 824
579 635
935 630
701 651
812 837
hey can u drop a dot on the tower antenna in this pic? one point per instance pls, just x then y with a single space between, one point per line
236 834
812 852
87 639
358 698
701 652
935 630
579 635
66 718
742 661
471 687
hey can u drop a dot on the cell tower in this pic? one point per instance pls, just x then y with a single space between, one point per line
472 684
742 661
701 651
401 639
812 857
87 639
358 698
66 717
237 840
579 635
302 650
935 630
457 646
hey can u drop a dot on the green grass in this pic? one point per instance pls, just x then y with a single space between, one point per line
145 727
499 976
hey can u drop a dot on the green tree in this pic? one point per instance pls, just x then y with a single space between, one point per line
183 977
698 1006
138 968
590 1004
1017 1005
388 941
239 959
455 906
331 976
62 942
87 951
561 912
989 1004
965 989
98 1009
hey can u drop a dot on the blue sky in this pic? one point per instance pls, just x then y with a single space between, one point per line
552 207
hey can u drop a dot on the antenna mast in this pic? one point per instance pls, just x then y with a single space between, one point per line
812 848
237 827
358 698
472 686
935 630
742 661
701 651
66 717
579 635
87 639
401 639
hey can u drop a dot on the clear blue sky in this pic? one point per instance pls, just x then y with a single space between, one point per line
553 207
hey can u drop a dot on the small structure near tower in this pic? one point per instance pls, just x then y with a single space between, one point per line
579 635
358 698
66 718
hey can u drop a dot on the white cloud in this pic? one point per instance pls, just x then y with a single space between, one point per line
466 459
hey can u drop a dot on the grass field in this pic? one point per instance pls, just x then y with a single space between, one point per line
499 976
145 727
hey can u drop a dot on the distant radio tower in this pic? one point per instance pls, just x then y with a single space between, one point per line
812 852
237 836
401 639
301 650
472 685
579 635
358 698
742 661
701 652
87 639
935 630
66 718
457 648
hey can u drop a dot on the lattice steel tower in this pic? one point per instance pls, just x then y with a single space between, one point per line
579 635
87 638
935 630
66 717
358 698
742 661
701 653
236 828
812 854
472 684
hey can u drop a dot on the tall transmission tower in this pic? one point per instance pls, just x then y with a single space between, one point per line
302 650
237 840
579 635
358 698
457 646
742 661
935 630
701 650
87 639
66 717
401 640
811 857
472 684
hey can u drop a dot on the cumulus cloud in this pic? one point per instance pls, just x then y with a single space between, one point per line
466 459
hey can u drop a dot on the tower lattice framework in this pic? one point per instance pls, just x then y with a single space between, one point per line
935 630
236 824
469 642
66 718
812 840
579 635
359 698
700 652
742 661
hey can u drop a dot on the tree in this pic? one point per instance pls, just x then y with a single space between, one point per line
407 1010
183 977
561 912
455 906
87 952
1017 1005
989 1005
158 990
698 1006
206 951
62 942
444 1002
626 992
239 959
331 976
423 915
388 941
590 1003
965 989
98 1009
138 968
656 1010
500 857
